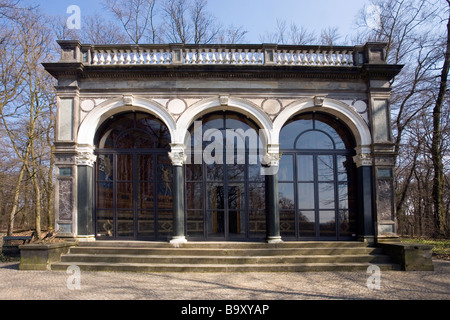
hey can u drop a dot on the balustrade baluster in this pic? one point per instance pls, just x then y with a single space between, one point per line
108 57
102 58
207 56
260 57
115 58
325 61
350 58
95 58
200 59
213 56
227 56
344 60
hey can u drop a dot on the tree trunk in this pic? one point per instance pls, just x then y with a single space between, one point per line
12 213
436 149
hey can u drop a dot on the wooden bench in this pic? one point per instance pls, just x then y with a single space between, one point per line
24 239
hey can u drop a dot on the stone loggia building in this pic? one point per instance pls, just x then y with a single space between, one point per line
224 142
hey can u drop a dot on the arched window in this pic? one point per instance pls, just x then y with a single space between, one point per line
317 179
133 179
225 197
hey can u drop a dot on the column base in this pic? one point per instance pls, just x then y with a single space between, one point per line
85 238
274 240
176 241
367 239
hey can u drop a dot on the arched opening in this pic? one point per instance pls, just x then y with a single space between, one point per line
317 179
225 197
133 179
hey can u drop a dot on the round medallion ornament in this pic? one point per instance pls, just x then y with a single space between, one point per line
360 106
272 106
176 106
87 105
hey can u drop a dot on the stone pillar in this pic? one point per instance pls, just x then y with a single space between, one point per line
270 170
178 158
365 194
383 159
85 193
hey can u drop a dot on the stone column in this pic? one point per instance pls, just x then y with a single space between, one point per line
85 193
178 158
270 170
365 194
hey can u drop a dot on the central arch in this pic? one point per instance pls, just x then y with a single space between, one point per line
225 197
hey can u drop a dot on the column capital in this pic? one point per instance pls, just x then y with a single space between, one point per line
85 156
363 156
178 155
273 156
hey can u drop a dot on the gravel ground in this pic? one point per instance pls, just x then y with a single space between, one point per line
394 285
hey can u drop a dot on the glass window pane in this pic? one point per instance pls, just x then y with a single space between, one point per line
254 173
290 131
306 223
325 168
214 172
236 196
195 223
344 163
236 223
327 222
347 225
105 167
194 195
125 224
326 196
165 224
314 140
306 196
257 224
105 223
256 196
125 167
305 168
335 129
105 195
343 196
145 196
286 169
146 224
215 196
124 195
287 223
286 195
236 172
216 223
194 172
145 166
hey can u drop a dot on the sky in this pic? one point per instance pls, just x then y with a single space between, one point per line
256 16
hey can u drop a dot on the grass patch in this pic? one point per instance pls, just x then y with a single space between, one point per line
441 247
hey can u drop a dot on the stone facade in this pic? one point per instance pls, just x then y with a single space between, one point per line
267 83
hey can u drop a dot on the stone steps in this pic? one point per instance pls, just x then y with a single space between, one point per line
223 257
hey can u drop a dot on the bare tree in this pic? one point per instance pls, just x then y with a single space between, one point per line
136 17
413 31
330 36
294 34
436 146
